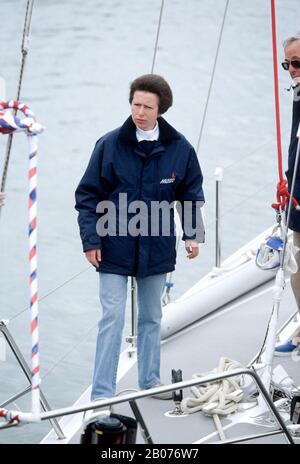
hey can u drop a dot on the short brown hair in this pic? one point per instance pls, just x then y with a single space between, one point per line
154 84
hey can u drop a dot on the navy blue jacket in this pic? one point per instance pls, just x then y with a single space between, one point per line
294 223
119 165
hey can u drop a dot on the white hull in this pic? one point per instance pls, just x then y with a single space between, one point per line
237 276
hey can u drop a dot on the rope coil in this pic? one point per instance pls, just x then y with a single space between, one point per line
10 123
218 398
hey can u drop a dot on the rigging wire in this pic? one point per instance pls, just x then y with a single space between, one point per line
24 51
242 203
73 348
51 292
212 76
249 155
157 35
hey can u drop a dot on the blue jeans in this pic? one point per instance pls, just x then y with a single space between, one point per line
113 295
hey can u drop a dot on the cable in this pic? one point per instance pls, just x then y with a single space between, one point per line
212 76
242 203
157 35
24 50
250 154
51 292
83 339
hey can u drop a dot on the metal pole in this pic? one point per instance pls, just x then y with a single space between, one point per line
2 98
292 194
266 353
133 336
219 177
172 387
27 371
16 396
133 307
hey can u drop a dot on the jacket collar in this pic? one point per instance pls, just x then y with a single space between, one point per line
167 133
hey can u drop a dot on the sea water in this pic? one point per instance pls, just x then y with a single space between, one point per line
82 57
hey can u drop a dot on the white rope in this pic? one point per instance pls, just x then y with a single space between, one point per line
270 252
218 398
247 256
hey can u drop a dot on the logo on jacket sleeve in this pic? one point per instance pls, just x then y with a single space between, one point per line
169 180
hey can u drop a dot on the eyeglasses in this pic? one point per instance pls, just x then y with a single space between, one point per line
286 65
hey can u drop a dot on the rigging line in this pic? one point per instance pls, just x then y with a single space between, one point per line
24 50
244 158
25 42
74 347
52 291
242 203
253 152
157 35
212 76
237 162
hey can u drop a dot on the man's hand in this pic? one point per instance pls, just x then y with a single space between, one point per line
93 257
296 80
192 248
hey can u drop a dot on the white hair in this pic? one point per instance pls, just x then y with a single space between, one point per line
290 40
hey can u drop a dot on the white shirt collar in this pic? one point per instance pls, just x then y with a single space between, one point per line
152 134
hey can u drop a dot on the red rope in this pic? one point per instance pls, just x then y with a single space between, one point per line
282 192
9 416
276 85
